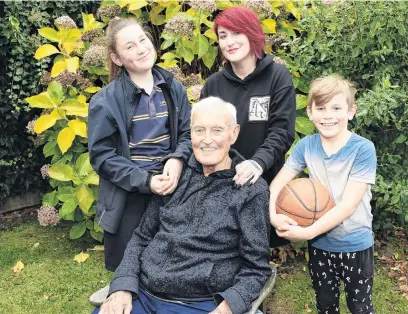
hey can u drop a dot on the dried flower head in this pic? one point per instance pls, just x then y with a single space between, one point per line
66 78
194 92
192 80
178 74
44 171
179 25
280 61
30 126
93 33
99 41
108 12
276 40
95 56
203 5
82 81
46 79
47 215
38 140
261 7
65 22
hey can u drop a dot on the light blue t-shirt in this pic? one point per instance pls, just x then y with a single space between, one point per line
355 161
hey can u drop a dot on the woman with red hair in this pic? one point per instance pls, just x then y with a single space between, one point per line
262 92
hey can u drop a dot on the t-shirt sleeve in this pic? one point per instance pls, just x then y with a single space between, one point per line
365 165
296 161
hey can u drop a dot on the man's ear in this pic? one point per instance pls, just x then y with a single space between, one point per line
352 111
115 59
235 133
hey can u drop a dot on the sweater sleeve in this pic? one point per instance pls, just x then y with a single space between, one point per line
254 252
126 276
104 158
281 128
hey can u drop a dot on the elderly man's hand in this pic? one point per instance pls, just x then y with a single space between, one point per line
119 302
222 308
172 169
247 170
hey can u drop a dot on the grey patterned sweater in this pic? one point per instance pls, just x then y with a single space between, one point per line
207 240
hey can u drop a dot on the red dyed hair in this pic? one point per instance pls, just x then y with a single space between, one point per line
243 20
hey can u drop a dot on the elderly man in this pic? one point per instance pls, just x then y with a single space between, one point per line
203 249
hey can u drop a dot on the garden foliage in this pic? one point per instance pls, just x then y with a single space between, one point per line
358 39
185 39
20 160
365 41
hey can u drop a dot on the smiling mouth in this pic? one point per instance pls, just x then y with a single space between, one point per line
329 124
141 59
207 149
232 50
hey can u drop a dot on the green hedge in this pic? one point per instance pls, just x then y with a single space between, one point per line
20 160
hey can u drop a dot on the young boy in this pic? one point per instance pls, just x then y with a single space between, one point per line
340 242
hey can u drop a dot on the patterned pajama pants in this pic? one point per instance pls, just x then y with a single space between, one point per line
355 269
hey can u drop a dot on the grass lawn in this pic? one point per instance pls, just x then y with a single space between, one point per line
52 282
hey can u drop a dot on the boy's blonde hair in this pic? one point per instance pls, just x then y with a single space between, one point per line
323 89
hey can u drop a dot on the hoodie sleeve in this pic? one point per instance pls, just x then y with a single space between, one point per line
281 127
254 252
183 149
103 155
126 276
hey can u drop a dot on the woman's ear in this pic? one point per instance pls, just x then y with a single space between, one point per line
115 59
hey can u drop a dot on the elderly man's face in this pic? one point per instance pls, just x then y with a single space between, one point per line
212 134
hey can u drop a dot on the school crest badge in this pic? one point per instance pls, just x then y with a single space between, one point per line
259 108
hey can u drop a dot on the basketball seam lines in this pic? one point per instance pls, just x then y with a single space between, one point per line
300 201
315 201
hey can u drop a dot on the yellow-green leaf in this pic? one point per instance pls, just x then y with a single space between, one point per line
123 3
211 34
100 248
276 4
88 20
92 89
61 172
42 100
18 267
49 33
92 178
58 68
65 138
74 107
269 26
82 257
290 7
85 197
46 121
135 5
72 64
78 127
45 51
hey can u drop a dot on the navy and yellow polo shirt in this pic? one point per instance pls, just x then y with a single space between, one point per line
149 133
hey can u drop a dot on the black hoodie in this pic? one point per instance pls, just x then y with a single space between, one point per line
266 111
206 240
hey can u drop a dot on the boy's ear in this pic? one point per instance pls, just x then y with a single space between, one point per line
352 111
309 112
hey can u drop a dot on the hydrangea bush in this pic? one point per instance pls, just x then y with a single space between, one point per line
186 47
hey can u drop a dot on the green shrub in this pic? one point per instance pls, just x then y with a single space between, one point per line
187 48
365 41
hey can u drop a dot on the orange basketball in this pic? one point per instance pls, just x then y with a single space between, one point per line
304 200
